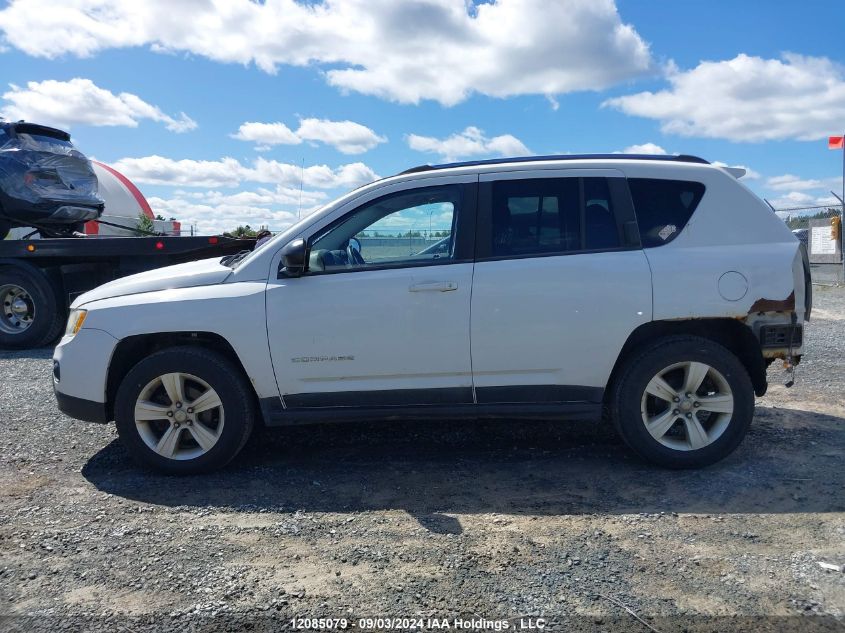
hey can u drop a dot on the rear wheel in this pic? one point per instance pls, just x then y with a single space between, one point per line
685 402
30 310
184 410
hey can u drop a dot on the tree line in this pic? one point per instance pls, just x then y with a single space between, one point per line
803 221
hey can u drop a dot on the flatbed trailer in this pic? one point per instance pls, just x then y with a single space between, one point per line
39 279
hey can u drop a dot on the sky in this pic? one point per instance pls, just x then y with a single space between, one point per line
230 112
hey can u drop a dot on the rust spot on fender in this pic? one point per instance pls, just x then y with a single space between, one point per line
774 305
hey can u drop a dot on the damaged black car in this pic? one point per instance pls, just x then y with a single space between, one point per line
45 182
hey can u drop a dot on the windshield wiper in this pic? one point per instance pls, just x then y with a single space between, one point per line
233 260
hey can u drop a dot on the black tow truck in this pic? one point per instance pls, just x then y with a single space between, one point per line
40 278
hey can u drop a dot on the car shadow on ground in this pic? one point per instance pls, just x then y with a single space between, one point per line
792 461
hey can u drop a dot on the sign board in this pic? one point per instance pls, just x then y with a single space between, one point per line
823 248
821 242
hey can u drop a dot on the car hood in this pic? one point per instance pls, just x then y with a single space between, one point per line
205 272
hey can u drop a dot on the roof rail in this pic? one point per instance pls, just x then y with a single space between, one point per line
681 158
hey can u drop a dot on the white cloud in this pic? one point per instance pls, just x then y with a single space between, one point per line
443 50
347 137
80 101
801 199
158 170
279 195
216 212
266 134
794 191
212 218
788 182
321 176
470 142
747 99
645 148
229 172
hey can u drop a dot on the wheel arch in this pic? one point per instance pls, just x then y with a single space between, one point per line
132 349
732 334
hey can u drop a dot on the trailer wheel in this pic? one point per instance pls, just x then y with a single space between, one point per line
30 311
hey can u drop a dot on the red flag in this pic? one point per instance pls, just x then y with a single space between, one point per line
836 142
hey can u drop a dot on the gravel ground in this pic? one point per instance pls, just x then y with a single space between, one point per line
489 520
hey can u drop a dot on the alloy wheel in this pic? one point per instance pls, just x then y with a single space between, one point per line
687 406
179 416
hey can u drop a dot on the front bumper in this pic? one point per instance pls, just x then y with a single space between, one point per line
73 213
80 371
85 410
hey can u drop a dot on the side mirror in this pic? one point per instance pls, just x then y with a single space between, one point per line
293 259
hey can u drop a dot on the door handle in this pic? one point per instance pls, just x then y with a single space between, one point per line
434 286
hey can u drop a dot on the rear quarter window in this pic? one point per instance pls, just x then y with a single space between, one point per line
663 207
45 143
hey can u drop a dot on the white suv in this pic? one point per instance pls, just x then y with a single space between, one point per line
656 289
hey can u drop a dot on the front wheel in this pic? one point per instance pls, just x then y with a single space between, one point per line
685 402
184 410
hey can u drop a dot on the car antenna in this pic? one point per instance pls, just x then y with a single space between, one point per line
301 178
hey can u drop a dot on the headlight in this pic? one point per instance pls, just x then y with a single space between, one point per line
74 323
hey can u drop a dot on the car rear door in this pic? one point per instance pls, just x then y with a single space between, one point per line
560 282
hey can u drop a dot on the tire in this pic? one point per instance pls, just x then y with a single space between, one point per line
203 371
45 313
725 386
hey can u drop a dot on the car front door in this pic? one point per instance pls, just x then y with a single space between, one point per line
560 282
381 315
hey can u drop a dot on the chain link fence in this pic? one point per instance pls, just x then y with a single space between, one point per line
799 219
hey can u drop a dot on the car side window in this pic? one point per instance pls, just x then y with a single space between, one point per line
552 215
663 207
414 227
536 216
